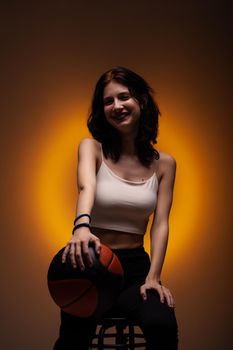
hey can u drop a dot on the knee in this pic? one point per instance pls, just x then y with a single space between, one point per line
162 323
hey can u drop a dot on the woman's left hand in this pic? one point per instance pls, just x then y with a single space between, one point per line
164 293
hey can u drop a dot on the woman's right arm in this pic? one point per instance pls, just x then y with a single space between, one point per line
77 246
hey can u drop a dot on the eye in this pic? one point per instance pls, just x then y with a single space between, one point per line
108 102
124 97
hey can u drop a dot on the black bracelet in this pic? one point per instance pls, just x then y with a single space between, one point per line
83 224
80 216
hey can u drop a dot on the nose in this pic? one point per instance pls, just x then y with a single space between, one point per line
117 105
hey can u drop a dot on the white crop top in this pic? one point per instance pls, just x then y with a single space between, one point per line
121 204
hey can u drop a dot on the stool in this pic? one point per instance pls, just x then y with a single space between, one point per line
123 340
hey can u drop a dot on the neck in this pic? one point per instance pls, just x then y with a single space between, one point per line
128 147
127 141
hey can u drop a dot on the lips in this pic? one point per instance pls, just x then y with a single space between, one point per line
121 116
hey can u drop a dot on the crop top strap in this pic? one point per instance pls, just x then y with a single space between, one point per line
101 151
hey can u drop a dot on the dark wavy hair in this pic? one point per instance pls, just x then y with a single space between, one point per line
105 133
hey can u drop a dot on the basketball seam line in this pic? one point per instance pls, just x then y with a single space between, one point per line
79 297
86 290
106 267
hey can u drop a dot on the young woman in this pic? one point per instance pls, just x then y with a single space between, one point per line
122 179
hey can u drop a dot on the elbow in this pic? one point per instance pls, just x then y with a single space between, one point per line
164 226
86 188
160 228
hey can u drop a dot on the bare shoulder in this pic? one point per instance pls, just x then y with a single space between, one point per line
166 163
88 144
167 159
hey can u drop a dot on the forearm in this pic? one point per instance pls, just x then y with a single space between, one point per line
159 241
82 235
85 202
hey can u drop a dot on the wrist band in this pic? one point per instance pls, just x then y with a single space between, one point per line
80 216
83 224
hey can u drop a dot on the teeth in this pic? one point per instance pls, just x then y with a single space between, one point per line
121 116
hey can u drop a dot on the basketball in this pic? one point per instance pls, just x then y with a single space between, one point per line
86 293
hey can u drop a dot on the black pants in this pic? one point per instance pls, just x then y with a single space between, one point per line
157 320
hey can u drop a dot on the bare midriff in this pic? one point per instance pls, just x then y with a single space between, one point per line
118 239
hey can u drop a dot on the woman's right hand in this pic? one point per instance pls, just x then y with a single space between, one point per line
77 248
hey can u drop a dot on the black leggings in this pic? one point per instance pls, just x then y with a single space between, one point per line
157 320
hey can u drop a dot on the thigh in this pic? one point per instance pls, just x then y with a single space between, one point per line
136 265
153 313
147 313
157 320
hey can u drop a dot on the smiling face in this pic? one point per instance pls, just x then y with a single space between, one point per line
121 109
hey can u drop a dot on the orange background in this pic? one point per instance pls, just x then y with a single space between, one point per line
52 55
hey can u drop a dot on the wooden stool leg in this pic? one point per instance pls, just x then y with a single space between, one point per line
101 338
125 335
131 337
121 338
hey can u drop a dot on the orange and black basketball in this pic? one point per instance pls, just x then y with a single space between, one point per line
86 293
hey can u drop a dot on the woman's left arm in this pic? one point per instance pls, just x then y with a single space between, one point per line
160 230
